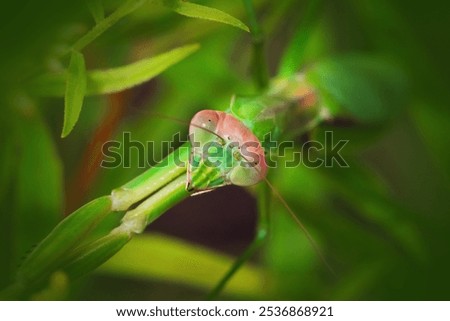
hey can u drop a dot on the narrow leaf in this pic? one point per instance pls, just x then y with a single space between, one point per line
125 9
193 10
115 79
74 93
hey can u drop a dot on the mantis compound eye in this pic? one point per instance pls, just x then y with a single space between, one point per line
205 120
238 156
203 126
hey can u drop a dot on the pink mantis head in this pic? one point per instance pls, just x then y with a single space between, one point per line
249 167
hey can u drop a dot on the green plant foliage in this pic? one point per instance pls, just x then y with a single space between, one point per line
115 79
75 91
125 9
193 10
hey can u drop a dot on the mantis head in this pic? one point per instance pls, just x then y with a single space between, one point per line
224 151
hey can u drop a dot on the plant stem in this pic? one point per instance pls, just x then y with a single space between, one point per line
259 64
258 241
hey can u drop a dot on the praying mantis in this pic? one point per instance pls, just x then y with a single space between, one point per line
238 137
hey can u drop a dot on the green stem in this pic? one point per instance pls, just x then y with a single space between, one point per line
259 64
264 201
126 8
253 21
258 241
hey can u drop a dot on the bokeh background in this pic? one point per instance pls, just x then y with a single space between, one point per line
383 223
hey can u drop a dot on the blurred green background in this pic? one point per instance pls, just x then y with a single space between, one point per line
383 223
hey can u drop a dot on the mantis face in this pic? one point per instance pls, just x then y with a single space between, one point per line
224 151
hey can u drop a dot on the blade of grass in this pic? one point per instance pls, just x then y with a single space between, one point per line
136 73
74 92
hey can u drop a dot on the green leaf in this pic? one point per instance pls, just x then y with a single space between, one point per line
159 257
115 79
202 12
96 9
125 9
181 7
368 89
74 93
